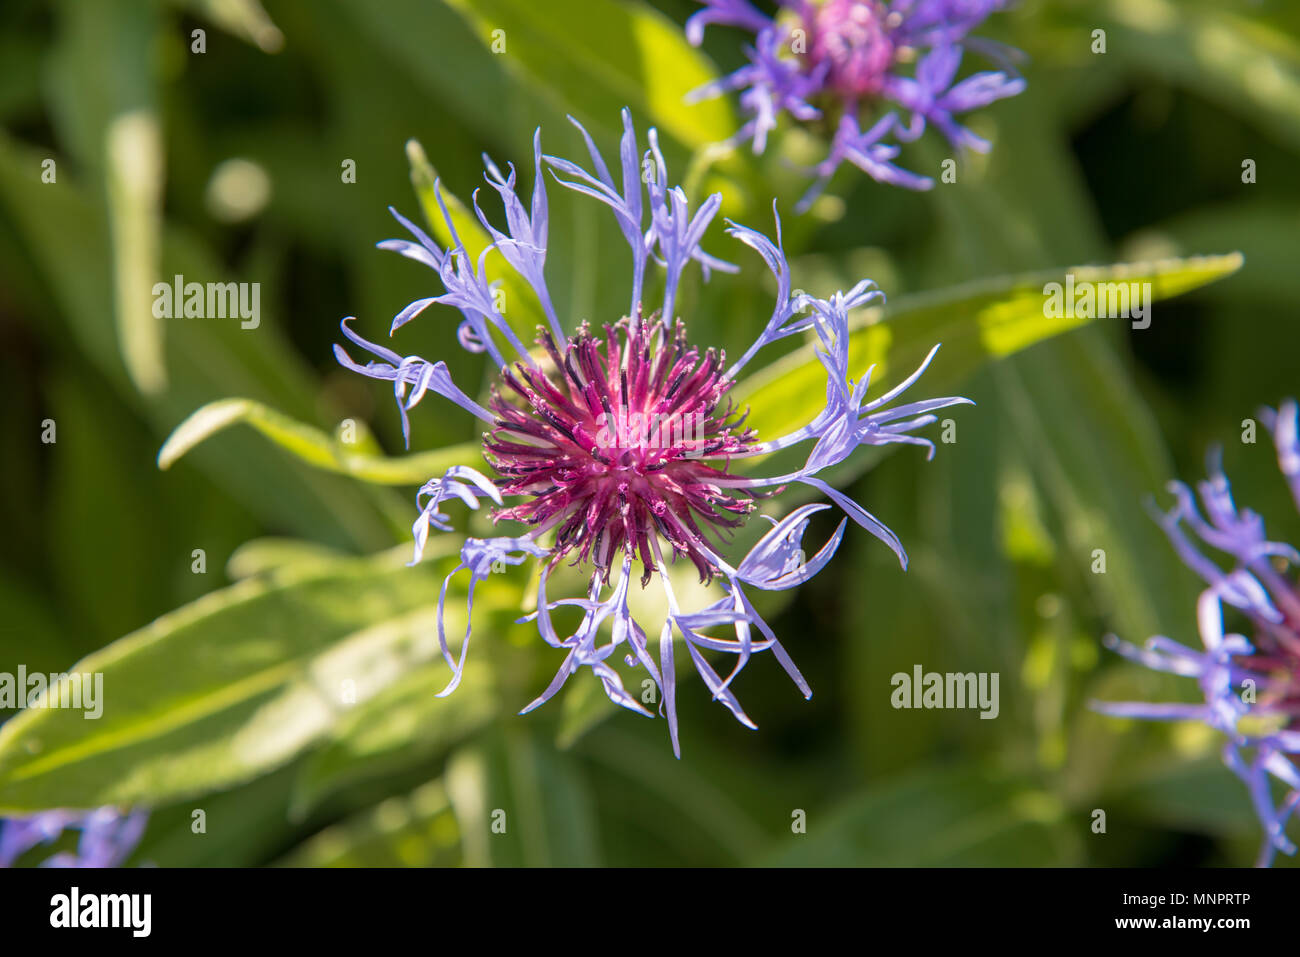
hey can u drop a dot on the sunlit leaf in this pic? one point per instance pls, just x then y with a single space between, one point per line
976 323
597 56
230 686
311 445
404 724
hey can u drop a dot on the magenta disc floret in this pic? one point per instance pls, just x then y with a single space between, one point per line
608 444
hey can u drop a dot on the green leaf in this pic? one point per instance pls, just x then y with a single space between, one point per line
311 445
135 175
520 803
1097 472
241 826
30 631
1247 67
232 685
94 439
403 725
415 830
264 555
594 57
465 78
976 322
1201 795
938 817
703 808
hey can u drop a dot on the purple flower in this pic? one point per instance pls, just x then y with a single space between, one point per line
615 446
849 63
1250 687
108 836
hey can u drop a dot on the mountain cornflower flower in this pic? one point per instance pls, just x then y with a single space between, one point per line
615 444
108 836
876 72
1251 686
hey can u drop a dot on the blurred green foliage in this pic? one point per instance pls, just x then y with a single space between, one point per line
231 703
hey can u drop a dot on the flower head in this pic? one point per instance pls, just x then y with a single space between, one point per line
108 836
618 446
1250 686
877 72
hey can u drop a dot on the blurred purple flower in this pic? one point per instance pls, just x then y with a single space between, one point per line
616 445
108 836
850 63
1250 687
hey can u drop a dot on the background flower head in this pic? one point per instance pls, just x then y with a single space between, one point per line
874 72
1250 685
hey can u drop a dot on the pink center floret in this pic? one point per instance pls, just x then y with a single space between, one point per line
1277 652
850 35
610 444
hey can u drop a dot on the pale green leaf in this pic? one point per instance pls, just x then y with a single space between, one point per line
241 18
134 163
404 724
976 322
232 685
311 445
